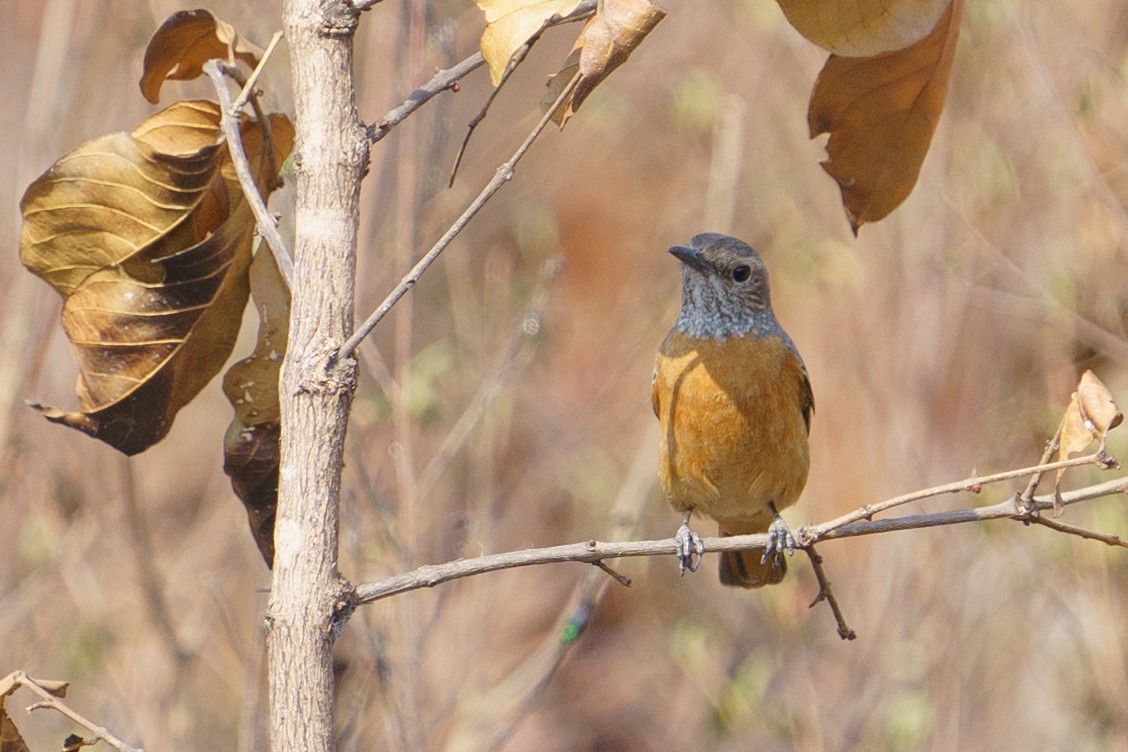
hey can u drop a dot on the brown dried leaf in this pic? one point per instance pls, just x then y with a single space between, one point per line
1075 435
149 245
184 42
1091 414
251 447
863 28
511 23
117 194
881 113
608 39
1097 405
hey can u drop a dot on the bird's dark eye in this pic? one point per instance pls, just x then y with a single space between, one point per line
742 273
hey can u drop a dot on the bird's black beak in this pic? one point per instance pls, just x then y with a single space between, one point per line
691 257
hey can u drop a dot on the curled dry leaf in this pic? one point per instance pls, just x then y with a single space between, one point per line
147 237
184 42
608 39
1091 414
863 28
511 23
881 113
251 447
1097 405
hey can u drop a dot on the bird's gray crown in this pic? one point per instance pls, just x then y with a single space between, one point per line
725 289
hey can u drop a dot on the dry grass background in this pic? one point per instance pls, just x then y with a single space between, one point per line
944 339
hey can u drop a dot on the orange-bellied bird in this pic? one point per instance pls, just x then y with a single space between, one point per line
734 402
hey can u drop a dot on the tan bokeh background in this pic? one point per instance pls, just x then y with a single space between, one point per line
945 339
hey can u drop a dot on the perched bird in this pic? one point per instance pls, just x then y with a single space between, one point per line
734 403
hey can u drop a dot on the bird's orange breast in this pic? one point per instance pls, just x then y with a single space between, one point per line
734 417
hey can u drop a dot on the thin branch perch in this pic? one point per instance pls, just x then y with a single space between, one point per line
844 527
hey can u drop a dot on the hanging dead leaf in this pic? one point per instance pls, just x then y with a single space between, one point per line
863 28
184 42
119 193
608 39
511 23
149 248
881 113
1097 405
1091 414
251 447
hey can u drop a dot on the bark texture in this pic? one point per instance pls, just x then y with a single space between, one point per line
309 599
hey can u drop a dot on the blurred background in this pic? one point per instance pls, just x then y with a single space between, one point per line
505 404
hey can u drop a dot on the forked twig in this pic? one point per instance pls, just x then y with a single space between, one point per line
826 593
51 692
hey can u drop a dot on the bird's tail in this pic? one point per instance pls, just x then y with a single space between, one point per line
744 568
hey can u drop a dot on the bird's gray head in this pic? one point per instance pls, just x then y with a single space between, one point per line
724 288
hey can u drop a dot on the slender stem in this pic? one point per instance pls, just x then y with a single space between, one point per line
1080 532
248 91
442 81
267 227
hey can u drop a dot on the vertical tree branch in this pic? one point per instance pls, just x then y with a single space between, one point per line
309 599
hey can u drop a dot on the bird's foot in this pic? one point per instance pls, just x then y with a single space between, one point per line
690 549
780 539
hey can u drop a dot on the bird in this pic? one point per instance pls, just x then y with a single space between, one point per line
734 403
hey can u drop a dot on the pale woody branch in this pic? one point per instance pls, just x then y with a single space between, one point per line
847 526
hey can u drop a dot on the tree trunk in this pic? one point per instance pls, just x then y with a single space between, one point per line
309 599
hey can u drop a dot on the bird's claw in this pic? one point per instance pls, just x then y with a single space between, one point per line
689 549
780 539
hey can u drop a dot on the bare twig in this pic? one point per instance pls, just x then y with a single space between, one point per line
503 175
443 80
1061 527
50 692
267 227
1032 485
826 593
591 551
249 85
619 578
